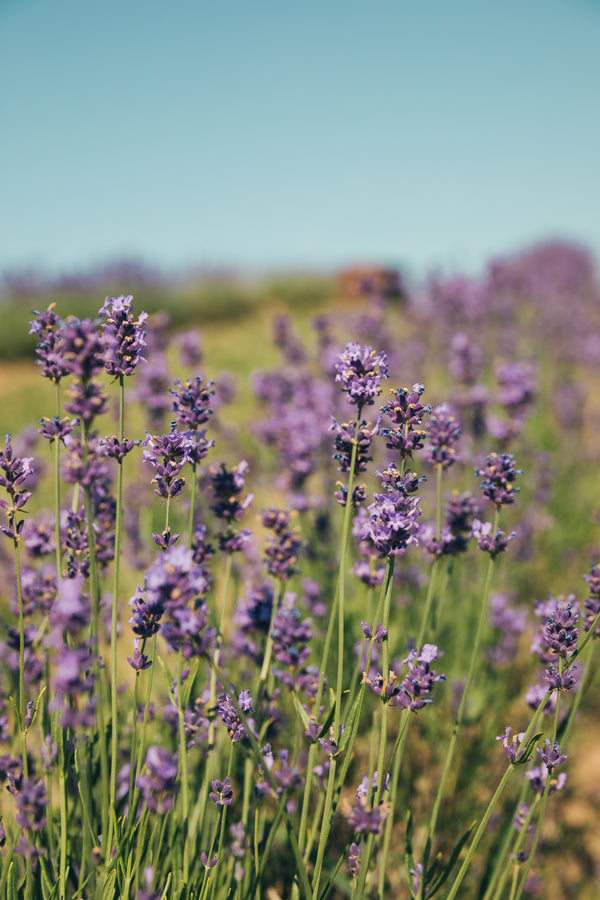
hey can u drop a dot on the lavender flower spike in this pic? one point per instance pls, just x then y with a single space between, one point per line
360 370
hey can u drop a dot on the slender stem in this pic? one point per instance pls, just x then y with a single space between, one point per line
467 686
57 491
490 808
545 795
113 632
194 481
184 774
217 651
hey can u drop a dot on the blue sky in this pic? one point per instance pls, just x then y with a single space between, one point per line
268 135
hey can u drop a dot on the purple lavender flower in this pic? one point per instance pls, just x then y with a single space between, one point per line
538 776
592 602
82 348
56 429
362 816
512 747
406 413
465 359
345 437
418 684
444 432
283 547
31 802
291 636
556 680
392 524
124 336
560 632
227 712
139 661
86 400
499 474
221 794
226 486
167 454
158 783
191 402
488 542
551 755
14 474
71 610
354 859
360 370
49 352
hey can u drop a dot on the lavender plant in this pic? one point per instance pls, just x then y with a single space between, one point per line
285 708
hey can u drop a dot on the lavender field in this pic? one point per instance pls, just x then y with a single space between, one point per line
303 602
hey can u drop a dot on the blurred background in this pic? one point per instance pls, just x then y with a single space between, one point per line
187 139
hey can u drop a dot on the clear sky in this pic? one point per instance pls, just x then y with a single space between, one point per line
270 133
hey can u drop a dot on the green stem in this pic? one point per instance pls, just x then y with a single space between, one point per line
463 701
490 808
184 774
113 633
217 652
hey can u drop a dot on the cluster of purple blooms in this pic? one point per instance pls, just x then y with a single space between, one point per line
172 599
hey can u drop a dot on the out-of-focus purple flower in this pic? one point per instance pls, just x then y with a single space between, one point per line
538 776
354 858
460 511
406 413
535 694
512 746
283 547
221 794
226 486
360 371
488 542
556 680
591 604
291 635
363 816
499 474
86 400
189 345
38 538
369 574
516 386
31 802
511 622
71 610
444 432
465 359
82 347
158 781
124 335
